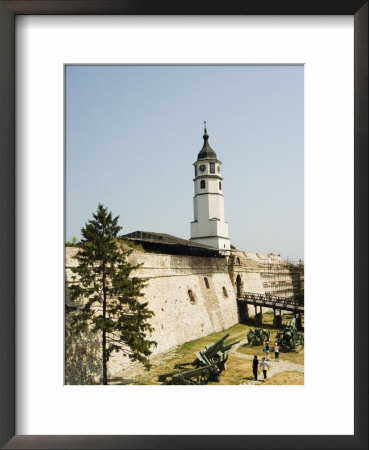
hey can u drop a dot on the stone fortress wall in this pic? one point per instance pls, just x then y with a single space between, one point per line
191 296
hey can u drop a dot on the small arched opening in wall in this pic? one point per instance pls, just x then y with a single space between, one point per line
238 261
206 283
225 292
191 296
239 286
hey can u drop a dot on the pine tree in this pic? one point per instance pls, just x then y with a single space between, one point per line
105 297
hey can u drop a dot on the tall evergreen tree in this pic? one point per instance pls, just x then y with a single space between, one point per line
105 297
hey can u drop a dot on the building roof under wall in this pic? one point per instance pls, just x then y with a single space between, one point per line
166 243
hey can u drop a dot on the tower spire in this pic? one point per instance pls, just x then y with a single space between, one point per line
206 151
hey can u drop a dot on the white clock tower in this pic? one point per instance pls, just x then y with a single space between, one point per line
209 227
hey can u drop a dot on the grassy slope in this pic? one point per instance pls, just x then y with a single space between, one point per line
238 369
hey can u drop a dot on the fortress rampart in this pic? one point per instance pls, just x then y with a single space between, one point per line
193 296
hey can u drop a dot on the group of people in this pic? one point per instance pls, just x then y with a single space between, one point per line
264 364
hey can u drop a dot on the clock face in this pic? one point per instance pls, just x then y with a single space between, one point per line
202 167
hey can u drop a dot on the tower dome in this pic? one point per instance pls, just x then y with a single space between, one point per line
206 152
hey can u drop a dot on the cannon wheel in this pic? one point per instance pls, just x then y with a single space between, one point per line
215 378
204 377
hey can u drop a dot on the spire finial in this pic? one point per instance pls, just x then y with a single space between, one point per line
205 126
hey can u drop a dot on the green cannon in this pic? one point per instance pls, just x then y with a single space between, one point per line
257 336
208 365
288 339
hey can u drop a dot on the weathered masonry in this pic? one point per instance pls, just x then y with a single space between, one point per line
195 295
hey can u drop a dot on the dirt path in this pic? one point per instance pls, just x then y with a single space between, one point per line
274 366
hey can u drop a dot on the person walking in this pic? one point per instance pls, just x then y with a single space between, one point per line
264 366
255 364
276 352
267 351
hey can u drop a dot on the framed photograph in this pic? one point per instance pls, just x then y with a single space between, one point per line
200 283
84 86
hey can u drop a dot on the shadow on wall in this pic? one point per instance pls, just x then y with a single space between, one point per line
83 361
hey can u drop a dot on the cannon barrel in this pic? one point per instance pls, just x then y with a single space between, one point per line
209 363
210 351
229 346
164 376
190 376
213 348
194 372
213 353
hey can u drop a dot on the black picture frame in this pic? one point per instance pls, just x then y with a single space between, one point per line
8 12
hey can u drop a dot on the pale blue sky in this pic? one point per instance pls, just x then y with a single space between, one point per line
133 133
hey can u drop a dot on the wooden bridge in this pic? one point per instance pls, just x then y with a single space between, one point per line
293 304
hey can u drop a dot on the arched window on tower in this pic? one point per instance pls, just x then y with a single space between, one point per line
207 283
220 185
202 184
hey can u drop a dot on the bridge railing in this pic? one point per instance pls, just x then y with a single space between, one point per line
297 300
